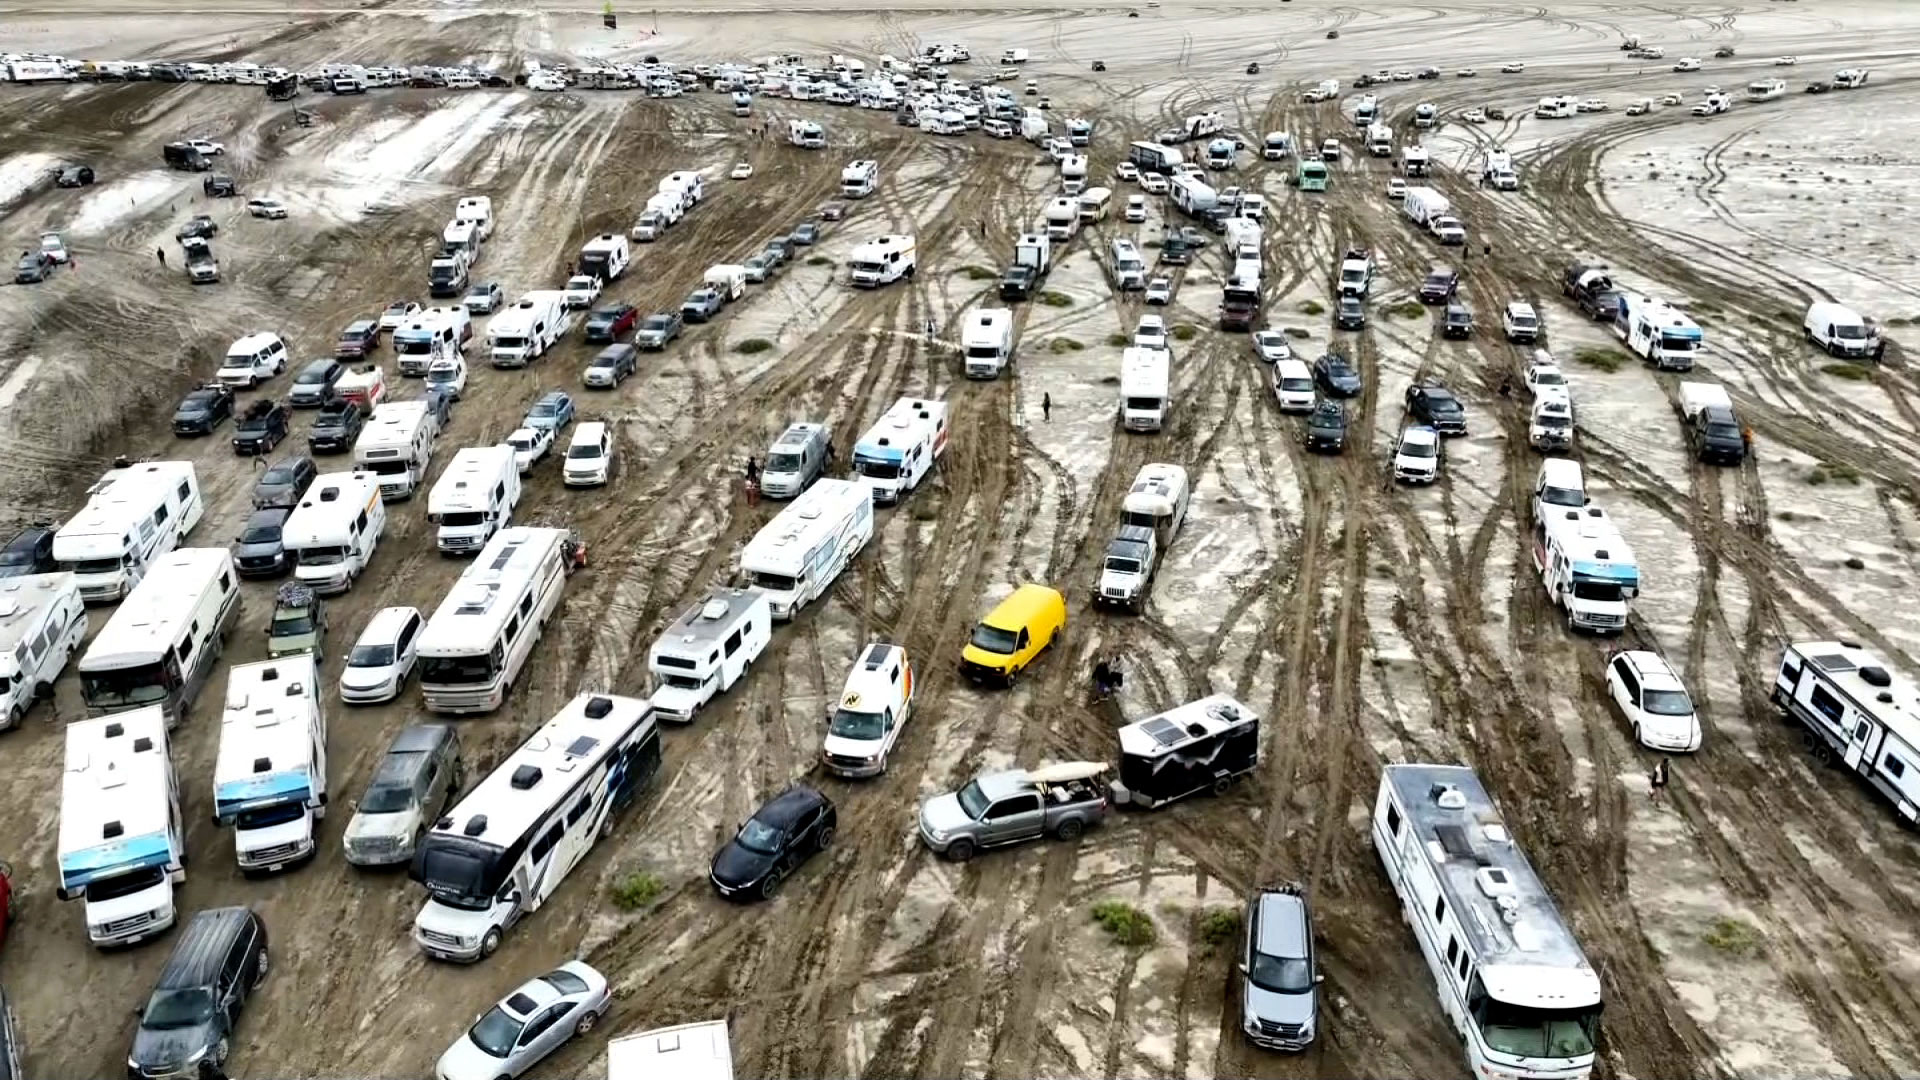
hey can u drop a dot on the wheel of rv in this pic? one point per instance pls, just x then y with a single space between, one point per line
1221 785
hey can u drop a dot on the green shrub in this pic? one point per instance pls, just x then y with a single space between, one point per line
1833 471
753 345
1128 925
1604 359
637 890
1734 936
978 273
1182 332
1299 333
1064 345
1408 309
1312 307
1118 340
1056 299
1844 370
819 260
1220 926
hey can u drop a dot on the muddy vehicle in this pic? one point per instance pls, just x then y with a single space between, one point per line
995 809
299 622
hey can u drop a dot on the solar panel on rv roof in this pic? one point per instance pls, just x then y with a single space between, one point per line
1164 731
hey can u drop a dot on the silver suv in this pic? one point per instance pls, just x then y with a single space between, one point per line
1279 972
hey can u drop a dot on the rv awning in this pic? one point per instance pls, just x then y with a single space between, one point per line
1066 772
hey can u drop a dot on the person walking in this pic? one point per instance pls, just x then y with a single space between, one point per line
161 254
1879 349
1658 780
753 481
1046 408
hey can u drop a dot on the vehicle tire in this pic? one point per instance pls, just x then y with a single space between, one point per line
824 840
218 1055
960 850
1637 741
490 943
1070 829
586 1023
14 716
770 885
1222 785
260 969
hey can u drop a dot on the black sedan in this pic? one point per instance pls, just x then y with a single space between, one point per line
199 227
75 176
773 843
202 410
608 323
1337 376
1326 428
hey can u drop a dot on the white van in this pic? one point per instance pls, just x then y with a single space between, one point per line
253 360
589 456
707 649
1558 487
474 497
1136 209
1276 146
1840 330
986 342
872 709
1293 386
332 534
1129 269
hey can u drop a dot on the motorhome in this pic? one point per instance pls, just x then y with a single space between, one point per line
477 209
479 637
795 557
418 343
1073 174
1129 268
162 644
1658 332
396 446
1095 203
1079 131
1242 241
1510 975
1766 89
858 180
449 272
332 534
43 619
1857 711
474 497
605 257
881 261
806 134
462 237
898 452
986 342
524 332
1062 217
1850 78
1222 154
270 778
707 649
122 846
1586 567
1556 108
1277 146
1144 375
1497 171
1840 330
1205 745
1366 111
1416 161
135 513
795 460
507 847
1380 140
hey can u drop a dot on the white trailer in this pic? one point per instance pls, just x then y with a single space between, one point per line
474 497
605 256
1587 567
1144 375
135 513
122 848
1431 211
1192 194
396 446
477 209
270 778
1855 709
708 649
524 332
43 619
901 449
332 534
795 557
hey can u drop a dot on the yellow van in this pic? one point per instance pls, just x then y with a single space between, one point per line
1010 638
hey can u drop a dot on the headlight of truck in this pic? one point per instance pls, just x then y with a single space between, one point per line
194 1058
936 836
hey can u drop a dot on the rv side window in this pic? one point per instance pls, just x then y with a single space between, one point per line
1828 705
226 582
184 650
579 810
185 490
1860 732
513 628
1791 673
546 842
360 523
1440 909
1453 948
1894 766
46 636
160 515
1462 968
733 643
526 604
1393 819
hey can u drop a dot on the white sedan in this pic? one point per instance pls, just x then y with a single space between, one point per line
1670 99
207 146
1465 73
1514 67
530 444
1271 346
272 209
1160 291
1474 116
741 171
528 1024
1785 61
1403 76
1396 188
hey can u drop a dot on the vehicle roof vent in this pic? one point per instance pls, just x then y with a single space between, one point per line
1601 554
1875 675
329 493
525 777
716 608
1884 697
1845 644
142 744
262 764
1448 797
598 706
111 829
476 825
115 731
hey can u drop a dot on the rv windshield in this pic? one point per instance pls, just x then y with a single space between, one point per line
509 342
878 470
189 1007
124 688
1123 564
126 884
1608 592
995 640
322 556
682 682
460 519
269 816
1281 974
1143 404
456 670
973 801
1667 703
865 726
1676 343
772 582
1537 1033
92 566
384 468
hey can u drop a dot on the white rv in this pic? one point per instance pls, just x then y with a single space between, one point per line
605 256
1766 89
524 332
477 209
479 637
504 850
1657 331
858 180
986 342
1192 194
1511 977
1129 268
434 333
689 184
1276 146
806 134
796 556
134 514
881 261
1380 140
1144 375
1856 710
1073 174
43 619
122 847
270 778
474 497
707 649
1587 567
396 446
897 453
686 1052
865 722
1556 108
462 237
331 535
163 641
1062 216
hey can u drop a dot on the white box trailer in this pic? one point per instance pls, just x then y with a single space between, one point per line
270 777
796 557
687 1052
122 848
605 256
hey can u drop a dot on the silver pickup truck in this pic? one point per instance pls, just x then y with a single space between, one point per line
1017 805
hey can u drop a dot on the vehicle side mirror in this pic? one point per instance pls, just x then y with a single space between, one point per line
1318 979
1242 966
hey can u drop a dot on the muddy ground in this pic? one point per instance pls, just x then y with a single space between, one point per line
1368 624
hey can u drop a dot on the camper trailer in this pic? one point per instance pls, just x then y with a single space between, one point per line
1204 745
708 649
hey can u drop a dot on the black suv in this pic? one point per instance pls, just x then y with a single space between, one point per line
261 429
219 186
362 336
218 961
1435 406
1350 313
337 426
202 410
313 387
29 552
1336 376
1457 322
76 176
1326 428
200 226
258 551
1175 251
1440 285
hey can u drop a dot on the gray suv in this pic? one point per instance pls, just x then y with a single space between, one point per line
657 329
1279 972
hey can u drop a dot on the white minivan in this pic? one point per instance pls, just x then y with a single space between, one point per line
381 660
1654 701
253 360
589 455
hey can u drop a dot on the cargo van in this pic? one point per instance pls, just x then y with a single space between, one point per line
1014 634
1129 269
795 460
1840 330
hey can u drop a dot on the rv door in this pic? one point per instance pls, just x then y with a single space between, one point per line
1857 742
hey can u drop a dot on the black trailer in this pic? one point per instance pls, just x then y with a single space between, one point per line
1204 745
181 156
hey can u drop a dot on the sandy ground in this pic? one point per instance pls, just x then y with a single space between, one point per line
1369 624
